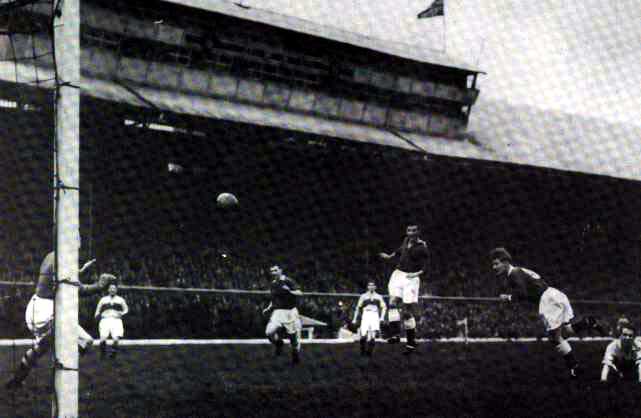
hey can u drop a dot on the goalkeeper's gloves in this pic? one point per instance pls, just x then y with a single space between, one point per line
506 298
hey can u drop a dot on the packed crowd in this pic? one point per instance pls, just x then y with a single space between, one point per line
176 315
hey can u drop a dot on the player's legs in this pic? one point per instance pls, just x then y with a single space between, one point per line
395 291
411 311
272 333
41 346
103 330
363 331
85 341
394 319
370 325
293 328
116 331
294 340
371 342
563 347
39 320
556 313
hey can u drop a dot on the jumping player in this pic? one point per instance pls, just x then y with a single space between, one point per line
404 285
373 308
39 317
554 307
110 310
284 317
623 356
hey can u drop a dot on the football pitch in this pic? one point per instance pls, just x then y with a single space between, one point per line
442 380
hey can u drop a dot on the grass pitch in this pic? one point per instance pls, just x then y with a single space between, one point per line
442 380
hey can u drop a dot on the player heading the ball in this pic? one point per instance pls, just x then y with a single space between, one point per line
404 285
554 306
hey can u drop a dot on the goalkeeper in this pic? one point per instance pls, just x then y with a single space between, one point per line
39 317
623 356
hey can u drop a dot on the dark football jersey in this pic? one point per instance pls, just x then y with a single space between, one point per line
528 285
282 298
414 258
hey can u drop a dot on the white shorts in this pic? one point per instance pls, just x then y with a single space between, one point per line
39 319
39 316
284 318
401 287
555 309
111 326
370 322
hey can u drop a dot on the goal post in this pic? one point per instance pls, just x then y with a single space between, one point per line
66 30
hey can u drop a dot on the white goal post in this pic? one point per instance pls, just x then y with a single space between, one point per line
66 28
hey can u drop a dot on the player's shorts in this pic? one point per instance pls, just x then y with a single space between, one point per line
111 326
401 287
284 318
555 309
39 319
39 316
370 322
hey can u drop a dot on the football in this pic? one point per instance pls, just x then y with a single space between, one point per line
225 200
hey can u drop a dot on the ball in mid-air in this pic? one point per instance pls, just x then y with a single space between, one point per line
226 200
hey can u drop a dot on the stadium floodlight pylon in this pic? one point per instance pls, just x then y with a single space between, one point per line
66 38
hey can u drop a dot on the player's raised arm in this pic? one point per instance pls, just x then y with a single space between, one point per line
86 266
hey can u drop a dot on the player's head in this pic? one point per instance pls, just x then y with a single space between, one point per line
113 289
371 287
627 337
623 322
275 271
501 261
412 230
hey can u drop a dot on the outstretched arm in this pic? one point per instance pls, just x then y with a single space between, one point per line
86 266
103 281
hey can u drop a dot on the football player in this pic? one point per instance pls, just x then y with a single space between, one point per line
553 305
623 356
404 285
373 308
110 310
284 313
39 317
